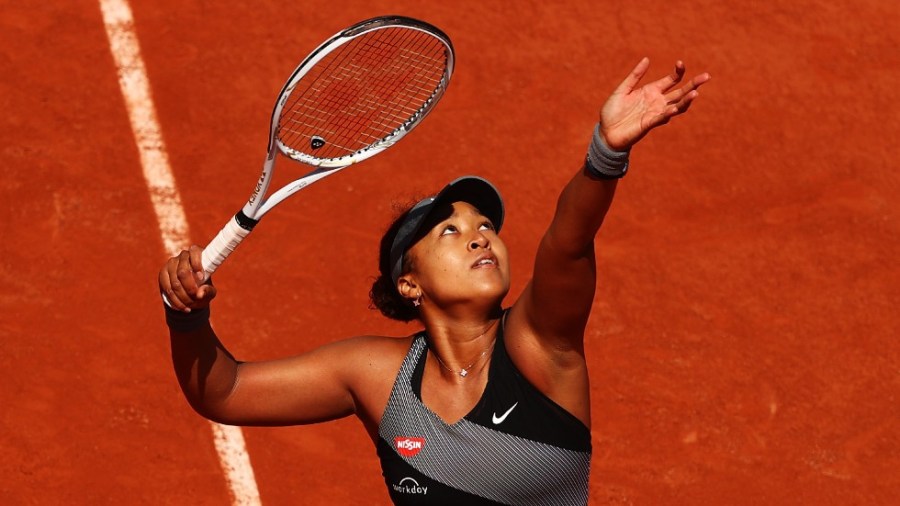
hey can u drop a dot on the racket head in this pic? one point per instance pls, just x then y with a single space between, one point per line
361 91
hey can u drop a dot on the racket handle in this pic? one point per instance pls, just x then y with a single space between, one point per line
223 245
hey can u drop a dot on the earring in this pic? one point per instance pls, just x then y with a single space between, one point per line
417 301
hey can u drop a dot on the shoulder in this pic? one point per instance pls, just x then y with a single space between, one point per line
354 360
559 372
378 344
537 354
370 365
365 355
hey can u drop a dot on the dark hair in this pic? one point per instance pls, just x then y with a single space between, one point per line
384 295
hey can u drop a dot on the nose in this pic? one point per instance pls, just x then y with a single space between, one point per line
479 241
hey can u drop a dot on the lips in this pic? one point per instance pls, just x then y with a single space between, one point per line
486 260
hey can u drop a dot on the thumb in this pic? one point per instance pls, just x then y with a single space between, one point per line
207 292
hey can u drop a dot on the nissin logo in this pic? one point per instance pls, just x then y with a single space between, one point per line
409 446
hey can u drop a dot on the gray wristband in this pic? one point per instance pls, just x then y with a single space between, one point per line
604 162
186 322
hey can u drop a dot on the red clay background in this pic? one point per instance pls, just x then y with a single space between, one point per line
744 343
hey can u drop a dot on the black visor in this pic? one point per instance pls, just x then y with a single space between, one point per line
472 189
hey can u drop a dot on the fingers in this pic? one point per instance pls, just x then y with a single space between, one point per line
682 98
666 83
631 82
181 278
166 288
196 255
206 293
692 85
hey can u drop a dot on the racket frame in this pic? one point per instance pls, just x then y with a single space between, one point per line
258 205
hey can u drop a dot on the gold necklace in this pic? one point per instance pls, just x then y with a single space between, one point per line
464 371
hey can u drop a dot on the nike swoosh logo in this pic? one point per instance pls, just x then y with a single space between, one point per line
499 419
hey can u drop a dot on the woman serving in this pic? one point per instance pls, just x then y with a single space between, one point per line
490 405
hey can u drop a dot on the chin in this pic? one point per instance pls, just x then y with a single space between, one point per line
497 293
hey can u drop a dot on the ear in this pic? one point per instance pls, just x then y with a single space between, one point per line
408 288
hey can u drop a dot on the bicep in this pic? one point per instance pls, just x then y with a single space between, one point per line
545 328
557 301
308 388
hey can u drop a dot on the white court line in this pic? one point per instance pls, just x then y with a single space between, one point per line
173 228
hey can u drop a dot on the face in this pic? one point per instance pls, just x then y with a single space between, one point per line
460 259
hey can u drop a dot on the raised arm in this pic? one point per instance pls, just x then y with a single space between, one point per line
556 304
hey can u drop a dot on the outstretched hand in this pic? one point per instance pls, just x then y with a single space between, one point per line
631 111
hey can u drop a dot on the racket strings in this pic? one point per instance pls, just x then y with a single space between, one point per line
362 107
399 65
364 91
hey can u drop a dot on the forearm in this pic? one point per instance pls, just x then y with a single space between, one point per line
580 211
585 200
205 370
565 262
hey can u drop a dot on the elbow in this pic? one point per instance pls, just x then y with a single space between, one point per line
214 412
214 404
208 390
571 247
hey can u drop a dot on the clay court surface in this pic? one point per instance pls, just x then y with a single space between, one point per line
744 344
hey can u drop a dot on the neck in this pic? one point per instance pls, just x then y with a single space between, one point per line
461 310
459 322
462 333
461 348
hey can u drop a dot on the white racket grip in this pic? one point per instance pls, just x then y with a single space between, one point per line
221 246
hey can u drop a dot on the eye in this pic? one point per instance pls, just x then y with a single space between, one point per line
486 226
449 229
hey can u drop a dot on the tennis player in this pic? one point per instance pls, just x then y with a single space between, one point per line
485 405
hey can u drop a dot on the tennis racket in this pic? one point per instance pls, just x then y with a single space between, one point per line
354 96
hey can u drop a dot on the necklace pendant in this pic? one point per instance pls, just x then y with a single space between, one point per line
463 373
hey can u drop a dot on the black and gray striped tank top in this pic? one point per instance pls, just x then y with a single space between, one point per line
516 446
